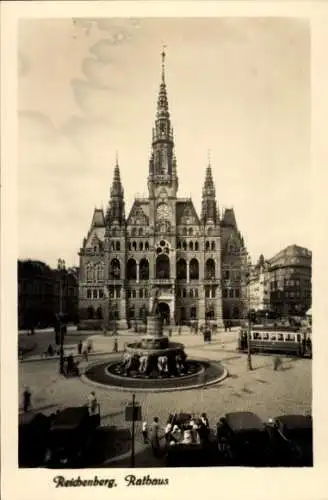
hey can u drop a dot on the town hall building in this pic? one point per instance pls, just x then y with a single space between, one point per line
193 263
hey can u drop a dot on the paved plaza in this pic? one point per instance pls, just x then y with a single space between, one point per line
263 391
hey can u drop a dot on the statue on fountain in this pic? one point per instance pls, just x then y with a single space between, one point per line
154 299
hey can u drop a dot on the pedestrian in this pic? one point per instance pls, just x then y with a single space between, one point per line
85 353
70 365
26 399
79 347
92 403
145 432
115 346
154 436
168 431
276 363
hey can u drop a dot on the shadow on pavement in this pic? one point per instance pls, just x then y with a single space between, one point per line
109 442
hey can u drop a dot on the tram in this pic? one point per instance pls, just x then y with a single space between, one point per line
275 339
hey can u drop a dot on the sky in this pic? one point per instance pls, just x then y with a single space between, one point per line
87 88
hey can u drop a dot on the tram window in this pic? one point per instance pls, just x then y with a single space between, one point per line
298 338
256 336
273 337
265 336
280 337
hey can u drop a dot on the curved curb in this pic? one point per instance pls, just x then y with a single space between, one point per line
216 380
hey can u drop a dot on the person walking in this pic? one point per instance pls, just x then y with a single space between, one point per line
26 399
276 363
115 346
145 432
92 403
79 347
154 437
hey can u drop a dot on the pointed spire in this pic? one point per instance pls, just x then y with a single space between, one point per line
117 188
163 64
162 101
209 212
116 210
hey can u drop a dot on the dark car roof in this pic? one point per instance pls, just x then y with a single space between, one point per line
244 421
27 419
291 422
70 418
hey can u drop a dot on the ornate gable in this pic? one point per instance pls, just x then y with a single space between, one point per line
137 216
186 214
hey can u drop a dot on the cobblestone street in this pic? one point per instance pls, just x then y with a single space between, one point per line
263 391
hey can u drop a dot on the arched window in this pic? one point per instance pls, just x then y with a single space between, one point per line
141 246
190 231
196 246
144 269
179 244
235 313
99 271
141 293
191 292
193 313
115 269
147 246
213 245
140 231
207 292
209 231
207 245
134 245
91 312
134 294
182 314
118 246
162 267
184 293
99 313
184 245
131 269
178 292
191 245
181 269
194 269
89 273
210 269
131 312
89 293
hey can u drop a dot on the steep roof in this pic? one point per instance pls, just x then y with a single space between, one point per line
229 218
185 211
98 219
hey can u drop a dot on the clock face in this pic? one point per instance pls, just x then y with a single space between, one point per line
163 211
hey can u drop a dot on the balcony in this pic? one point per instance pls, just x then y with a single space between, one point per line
162 281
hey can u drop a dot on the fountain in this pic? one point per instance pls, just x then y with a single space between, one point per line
154 363
154 355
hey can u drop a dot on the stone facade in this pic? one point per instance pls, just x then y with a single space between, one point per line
194 264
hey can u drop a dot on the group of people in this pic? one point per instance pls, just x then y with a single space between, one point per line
177 431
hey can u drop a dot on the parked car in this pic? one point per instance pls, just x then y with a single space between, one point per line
71 438
32 438
243 440
293 438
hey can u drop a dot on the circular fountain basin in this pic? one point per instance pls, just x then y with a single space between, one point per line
155 346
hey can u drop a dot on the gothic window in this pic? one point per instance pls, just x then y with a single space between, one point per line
196 246
191 245
115 269
213 292
141 246
134 294
196 293
191 292
118 246
101 293
95 294
118 292
131 269
144 269
184 245
178 244
207 292
147 246
194 269
129 294
162 267
207 246
91 312
181 269
190 231
210 269
213 245
184 293
134 245
237 293
89 273
141 293
231 293
89 295
99 272
193 313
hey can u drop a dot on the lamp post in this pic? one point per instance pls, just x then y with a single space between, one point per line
61 268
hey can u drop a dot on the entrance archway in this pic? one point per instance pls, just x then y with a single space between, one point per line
164 312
